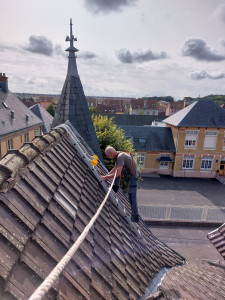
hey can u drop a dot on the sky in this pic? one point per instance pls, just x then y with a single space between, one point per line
127 48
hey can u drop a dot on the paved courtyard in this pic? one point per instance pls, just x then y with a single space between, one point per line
181 199
178 201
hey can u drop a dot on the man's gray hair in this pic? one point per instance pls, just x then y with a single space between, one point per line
109 150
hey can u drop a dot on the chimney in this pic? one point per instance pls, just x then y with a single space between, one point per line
4 83
187 101
12 114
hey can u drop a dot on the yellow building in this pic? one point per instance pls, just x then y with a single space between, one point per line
18 124
199 137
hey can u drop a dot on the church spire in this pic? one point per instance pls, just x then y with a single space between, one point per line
72 65
73 105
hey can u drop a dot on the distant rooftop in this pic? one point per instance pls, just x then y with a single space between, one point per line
201 113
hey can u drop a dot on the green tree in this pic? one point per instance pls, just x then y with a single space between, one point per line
93 110
109 134
50 109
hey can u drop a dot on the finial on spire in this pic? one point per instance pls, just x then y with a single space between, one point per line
71 39
72 65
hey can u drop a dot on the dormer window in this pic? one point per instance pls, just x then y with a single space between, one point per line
142 140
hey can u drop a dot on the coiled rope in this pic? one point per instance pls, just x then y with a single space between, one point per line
49 281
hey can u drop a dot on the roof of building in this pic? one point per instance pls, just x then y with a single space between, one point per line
72 104
42 114
199 114
49 193
8 124
135 120
147 138
217 238
193 282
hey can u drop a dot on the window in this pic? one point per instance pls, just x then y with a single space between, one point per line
188 162
37 133
141 159
10 144
26 137
210 139
191 139
142 140
206 163
164 165
224 142
21 138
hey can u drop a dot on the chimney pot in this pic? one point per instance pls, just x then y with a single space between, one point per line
4 83
12 114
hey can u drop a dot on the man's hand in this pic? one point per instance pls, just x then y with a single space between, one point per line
104 177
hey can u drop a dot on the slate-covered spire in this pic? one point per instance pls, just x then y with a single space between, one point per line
72 105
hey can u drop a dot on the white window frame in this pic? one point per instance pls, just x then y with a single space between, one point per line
188 162
212 134
206 163
141 160
191 139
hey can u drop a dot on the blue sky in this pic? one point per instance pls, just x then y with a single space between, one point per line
128 48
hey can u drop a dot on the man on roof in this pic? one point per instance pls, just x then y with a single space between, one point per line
125 165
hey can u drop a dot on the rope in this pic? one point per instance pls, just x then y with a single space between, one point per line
48 282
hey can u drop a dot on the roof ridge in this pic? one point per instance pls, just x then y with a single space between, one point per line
15 160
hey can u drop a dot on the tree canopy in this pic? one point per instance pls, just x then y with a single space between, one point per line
50 109
109 134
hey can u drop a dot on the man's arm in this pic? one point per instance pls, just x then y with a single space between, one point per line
112 173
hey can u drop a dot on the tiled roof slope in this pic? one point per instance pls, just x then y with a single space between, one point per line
41 113
157 138
48 195
199 114
8 103
217 238
193 282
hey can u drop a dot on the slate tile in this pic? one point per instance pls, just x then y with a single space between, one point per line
13 225
68 290
49 242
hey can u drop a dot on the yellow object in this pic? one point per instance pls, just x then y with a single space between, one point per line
94 160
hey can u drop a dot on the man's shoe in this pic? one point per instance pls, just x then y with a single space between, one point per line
135 218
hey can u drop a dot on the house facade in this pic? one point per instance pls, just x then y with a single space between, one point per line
144 107
191 145
18 125
199 137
